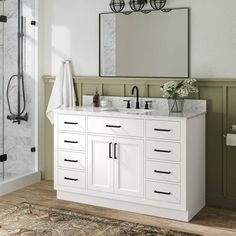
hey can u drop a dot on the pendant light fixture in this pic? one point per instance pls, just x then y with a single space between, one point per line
117 5
137 5
157 4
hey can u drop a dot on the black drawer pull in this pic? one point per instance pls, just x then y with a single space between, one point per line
110 155
164 151
70 123
165 193
115 151
70 179
162 172
113 126
74 142
74 161
163 130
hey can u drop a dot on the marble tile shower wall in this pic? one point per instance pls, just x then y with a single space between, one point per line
109 44
18 139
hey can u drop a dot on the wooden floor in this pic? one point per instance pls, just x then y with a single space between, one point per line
210 221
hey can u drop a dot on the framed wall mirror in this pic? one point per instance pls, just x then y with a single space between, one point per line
155 44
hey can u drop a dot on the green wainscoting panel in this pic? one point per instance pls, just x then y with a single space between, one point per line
214 97
142 90
48 139
221 99
113 90
231 151
90 89
154 91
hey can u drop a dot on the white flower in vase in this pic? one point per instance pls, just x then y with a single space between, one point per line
174 90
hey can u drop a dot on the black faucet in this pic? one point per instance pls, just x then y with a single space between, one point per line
137 102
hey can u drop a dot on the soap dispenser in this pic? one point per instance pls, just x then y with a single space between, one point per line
96 99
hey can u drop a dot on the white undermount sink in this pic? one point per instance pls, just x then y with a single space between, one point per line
126 110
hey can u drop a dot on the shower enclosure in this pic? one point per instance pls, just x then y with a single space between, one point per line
18 151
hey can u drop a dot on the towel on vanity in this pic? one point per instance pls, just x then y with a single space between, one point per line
63 93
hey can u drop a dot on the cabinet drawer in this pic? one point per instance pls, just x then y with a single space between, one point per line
163 171
71 160
71 141
163 150
71 178
116 126
163 129
71 123
163 192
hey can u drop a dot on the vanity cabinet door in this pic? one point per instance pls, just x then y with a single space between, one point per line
100 163
128 167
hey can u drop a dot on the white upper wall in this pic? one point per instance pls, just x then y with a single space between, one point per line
71 30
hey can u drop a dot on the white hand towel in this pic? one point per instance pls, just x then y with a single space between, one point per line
68 86
63 93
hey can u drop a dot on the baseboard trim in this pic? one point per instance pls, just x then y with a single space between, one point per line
20 182
125 206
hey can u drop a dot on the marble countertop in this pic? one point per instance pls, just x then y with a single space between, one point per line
128 113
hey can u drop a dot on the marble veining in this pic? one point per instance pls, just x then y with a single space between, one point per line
153 114
159 108
159 104
109 45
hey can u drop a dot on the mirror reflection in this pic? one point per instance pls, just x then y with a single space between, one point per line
145 45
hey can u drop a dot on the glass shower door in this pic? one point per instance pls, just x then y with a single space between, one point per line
17 61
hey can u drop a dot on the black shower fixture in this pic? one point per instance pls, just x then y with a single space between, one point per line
19 115
137 5
117 5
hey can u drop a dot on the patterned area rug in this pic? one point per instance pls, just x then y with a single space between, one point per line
30 220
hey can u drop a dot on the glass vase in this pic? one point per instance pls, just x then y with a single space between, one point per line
176 105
